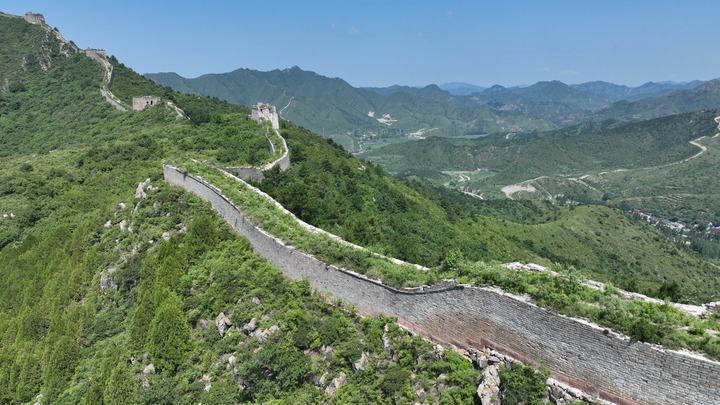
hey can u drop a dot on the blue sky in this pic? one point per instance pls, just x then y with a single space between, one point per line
381 43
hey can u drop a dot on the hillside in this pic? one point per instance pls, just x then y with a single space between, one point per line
663 166
118 288
582 149
705 96
105 269
648 90
359 119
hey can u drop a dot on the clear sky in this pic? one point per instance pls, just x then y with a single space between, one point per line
381 43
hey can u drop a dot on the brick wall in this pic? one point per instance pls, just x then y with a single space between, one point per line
579 353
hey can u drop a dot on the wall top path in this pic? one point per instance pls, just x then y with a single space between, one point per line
584 355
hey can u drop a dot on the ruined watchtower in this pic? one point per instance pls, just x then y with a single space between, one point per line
139 103
264 111
34 18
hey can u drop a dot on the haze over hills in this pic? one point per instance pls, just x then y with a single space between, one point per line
361 119
461 89
353 117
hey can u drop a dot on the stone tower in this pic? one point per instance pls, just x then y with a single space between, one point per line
139 103
264 111
33 18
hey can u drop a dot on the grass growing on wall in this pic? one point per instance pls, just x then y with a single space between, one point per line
266 215
565 294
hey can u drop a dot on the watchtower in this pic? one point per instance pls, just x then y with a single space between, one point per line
139 103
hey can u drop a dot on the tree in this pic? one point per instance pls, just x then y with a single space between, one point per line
60 367
520 384
121 387
142 320
29 379
202 234
168 338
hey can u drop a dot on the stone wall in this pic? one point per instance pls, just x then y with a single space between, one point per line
139 103
247 173
579 353
263 111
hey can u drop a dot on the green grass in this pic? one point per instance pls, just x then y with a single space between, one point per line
264 214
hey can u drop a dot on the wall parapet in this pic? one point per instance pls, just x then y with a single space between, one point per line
579 353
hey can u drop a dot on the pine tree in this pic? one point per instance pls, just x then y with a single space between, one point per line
121 388
60 367
168 338
141 321
30 378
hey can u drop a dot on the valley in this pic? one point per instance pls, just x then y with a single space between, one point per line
135 268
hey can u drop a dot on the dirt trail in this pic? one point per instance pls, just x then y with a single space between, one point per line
694 142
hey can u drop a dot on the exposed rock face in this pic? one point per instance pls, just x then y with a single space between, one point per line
489 389
262 335
149 369
223 323
250 326
360 364
142 186
336 383
106 280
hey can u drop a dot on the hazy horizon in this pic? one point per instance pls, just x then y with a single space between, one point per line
378 44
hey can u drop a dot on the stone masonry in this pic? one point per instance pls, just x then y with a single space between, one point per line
139 103
263 111
578 353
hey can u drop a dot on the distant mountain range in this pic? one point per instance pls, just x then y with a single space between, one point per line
357 118
362 119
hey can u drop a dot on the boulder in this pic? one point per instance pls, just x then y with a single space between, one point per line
222 323
360 364
336 383
489 389
250 326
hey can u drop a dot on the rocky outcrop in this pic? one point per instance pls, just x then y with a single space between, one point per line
222 323
489 390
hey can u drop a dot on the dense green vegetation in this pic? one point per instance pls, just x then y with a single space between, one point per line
629 166
334 109
68 338
583 149
97 283
421 223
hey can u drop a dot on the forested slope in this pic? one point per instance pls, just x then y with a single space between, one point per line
104 269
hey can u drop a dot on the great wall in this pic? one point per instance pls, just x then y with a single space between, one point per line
604 364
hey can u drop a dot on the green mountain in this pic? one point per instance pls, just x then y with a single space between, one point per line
461 89
581 149
358 119
648 90
105 269
705 96
665 166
